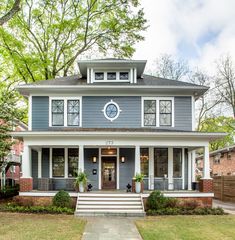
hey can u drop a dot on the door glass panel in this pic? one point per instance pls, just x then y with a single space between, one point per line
109 172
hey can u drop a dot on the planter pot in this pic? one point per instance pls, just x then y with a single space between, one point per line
137 187
81 187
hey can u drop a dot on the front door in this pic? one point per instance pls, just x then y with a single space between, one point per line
109 172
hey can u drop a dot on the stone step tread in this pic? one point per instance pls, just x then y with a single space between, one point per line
108 195
111 210
108 199
109 202
109 206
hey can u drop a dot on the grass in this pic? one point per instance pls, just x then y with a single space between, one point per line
38 226
187 227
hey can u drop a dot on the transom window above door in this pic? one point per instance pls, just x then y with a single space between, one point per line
158 112
65 112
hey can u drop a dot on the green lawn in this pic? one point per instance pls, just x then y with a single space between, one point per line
187 227
37 226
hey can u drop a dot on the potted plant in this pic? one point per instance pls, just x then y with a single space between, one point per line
138 180
81 181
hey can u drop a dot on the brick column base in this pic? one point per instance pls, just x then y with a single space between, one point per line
26 184
206 185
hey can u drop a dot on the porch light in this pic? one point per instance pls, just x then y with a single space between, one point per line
123 159
94 159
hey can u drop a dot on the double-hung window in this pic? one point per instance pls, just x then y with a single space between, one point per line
65 112
157 112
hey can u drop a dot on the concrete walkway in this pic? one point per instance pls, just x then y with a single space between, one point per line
110 228
227 206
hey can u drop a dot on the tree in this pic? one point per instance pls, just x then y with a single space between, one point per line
207 102
220 124
12 9
225 81
170 68
47 37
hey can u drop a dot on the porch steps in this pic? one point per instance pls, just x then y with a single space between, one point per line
102 204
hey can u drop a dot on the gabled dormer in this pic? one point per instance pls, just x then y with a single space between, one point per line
111 70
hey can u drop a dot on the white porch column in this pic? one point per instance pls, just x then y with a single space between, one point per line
189 170
170 169
151 168
66 162
206 163
26 162
183 167
40 163
50 162
81 158
137 159
193 165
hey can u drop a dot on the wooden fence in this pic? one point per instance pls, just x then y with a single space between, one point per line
224 188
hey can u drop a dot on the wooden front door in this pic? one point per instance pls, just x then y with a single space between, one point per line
109 172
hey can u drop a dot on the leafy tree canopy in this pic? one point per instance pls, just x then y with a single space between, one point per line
47 36
220 124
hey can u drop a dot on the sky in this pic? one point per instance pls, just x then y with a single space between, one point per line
199 31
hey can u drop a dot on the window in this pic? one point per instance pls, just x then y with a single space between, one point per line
57 112
158 112
65 111
99 76
160 162
149 113
72 162
144 161
177 162
124 76
58 162
73 113
111 76
165 107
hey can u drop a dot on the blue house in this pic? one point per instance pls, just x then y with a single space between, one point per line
112 121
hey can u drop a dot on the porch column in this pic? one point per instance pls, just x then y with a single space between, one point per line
189 170
81 158
26 162
183 167
50 162
66 162
206 163
193 165
151 168
137 160
40 163
170 169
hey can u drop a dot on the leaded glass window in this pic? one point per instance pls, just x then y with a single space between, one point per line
160 162
99 76
111 76
177 162
58 162
149 112
144 161
72 162
165 107
73 113
57 112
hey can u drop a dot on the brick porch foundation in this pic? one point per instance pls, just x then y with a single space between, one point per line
206 185
26 184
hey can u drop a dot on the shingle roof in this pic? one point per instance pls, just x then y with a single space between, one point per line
146 80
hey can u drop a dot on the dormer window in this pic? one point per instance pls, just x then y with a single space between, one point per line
111 76
99 76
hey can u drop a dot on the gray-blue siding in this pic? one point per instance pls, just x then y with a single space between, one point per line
93 117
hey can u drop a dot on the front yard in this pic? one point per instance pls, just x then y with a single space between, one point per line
37 226
187 227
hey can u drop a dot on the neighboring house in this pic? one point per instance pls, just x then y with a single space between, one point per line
222 162
13 160
112 123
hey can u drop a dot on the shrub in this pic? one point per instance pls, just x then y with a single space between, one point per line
171 202
190 204
9 191
156 200
62 199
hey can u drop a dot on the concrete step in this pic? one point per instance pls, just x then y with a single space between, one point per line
109 202
107 199
109 206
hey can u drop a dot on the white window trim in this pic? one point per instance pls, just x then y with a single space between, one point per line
158 99
65 110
